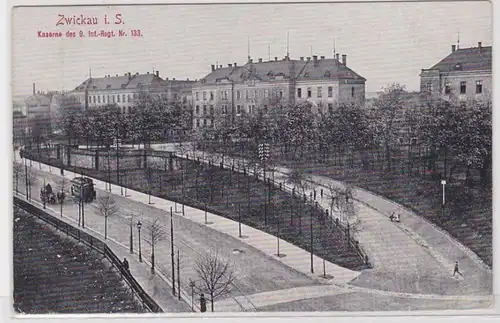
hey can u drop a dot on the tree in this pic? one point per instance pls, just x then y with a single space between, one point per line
107 207
215 274
155 234
389 107
17 169
149 174
31 178
63 184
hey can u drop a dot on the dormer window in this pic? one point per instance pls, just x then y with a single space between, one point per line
458 66
306 75
327 74
203 80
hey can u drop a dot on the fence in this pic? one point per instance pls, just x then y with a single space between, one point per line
97 245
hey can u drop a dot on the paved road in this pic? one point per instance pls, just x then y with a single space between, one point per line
413 256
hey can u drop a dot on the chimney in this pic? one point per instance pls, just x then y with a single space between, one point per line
136 73
453 48
301 58
308 59
251 60
479 45
166 79
229 65
275 58
157 73
173 78
213 67
337 57
147 73
220 66
260 60
235 64
34 91
315 60
129 76
344 59
322 57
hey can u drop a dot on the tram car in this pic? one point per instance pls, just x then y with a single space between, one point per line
83 187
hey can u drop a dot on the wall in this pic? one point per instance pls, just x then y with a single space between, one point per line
455 78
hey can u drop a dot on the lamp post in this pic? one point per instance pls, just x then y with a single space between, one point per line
139 225
192 284
263 151
443 183
312 245
44 197
131 234
172 250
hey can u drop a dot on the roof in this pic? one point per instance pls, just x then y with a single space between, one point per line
269 71
466 59
133 81
37 100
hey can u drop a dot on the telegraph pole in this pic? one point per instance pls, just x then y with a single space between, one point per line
172 250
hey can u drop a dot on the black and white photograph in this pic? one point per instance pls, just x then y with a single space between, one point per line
251 158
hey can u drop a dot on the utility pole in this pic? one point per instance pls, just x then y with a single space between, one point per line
172 250
312 245
178 276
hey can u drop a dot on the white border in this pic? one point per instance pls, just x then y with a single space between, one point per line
6 191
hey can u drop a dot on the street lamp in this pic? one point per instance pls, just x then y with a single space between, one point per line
443 183
139 225
131 235
192 284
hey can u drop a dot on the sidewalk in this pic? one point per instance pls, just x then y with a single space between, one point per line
414 248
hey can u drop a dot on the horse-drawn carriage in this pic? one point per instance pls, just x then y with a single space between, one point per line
83 188
48 196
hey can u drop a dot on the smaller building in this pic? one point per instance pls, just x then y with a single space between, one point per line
465 75
19 127
38 114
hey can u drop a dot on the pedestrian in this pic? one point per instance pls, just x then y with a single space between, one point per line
125 264
203 303
398 218
456 270
321 193
392 217
314 194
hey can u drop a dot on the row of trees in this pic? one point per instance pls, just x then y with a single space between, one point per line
396 121
152 118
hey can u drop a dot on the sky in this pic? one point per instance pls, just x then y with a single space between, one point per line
384 42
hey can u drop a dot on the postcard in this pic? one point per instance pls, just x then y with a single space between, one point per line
252 158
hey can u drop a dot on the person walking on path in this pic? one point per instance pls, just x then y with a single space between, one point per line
398 219
125 264
456 270
392 217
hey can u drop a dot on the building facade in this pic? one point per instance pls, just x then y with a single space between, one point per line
258 86
19 127
464 76
123 91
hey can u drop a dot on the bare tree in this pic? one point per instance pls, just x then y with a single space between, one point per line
155 234
17 169
149 181
107 207
216 276
31 178
61 195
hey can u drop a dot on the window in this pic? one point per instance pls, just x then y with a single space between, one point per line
352 91
238 95
197 109
299 93
265 109
118 98
225 95
95 100
99 98
255 94
463 87
211 96
204 96
447 88
129 98
319 92
330 91
479 86
197 123
107 98
246 94
238 109
429 87
197 96
280 94
123 97
204 109
211 109
135 95
266 93
90 99
113 98
204 122
330 107
309 92
129 109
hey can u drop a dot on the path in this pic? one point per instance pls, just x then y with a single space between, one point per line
414 256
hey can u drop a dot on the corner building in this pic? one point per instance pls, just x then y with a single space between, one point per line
259 86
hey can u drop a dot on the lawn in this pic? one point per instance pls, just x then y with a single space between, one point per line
468 213
230 194
55 274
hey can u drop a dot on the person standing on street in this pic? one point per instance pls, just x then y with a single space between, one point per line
125 264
